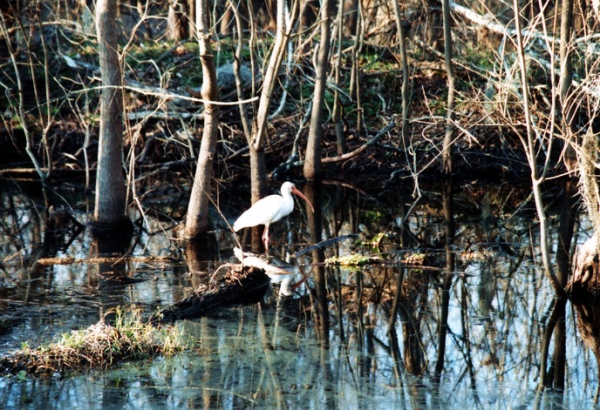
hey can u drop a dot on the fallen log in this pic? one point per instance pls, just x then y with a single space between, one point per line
238 284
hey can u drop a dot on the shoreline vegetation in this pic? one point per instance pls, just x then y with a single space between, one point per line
124 334
121 335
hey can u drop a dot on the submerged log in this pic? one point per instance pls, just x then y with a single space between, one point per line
239 284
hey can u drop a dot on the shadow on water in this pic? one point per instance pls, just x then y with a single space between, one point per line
448 310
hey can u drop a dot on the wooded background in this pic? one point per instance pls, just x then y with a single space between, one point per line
297 84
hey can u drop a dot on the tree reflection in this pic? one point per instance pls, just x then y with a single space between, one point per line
588 322
448 201
112 277
363 337
313 192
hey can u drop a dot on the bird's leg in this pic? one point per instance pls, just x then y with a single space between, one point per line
297 284
265 238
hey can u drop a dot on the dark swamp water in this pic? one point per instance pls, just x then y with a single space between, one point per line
276 354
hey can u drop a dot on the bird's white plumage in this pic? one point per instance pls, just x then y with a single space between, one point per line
270 209
267 210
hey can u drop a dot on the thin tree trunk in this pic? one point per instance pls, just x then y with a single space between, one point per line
258 178
570 185
259 128
308 14
270 77
197 217
529 145
404 135
237 65
312 163
354 89
447 157
350 10
566 65
191 9
110 205
337 104
175 29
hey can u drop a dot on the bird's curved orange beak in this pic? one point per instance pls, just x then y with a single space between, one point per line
301 195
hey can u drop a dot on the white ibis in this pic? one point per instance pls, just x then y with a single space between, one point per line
270 209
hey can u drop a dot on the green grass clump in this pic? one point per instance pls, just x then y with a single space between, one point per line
102 345
354 259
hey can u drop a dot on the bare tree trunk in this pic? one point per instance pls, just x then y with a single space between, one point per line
191 18
197 217
529 144
350 11
258 178
312 163
566 65
110 205
257 156
569 185
565 80
237 61
308 13
270 77
569 193
405 92
141 8
586 260
354 89
225 14
337 114
447 157
259 128
175 27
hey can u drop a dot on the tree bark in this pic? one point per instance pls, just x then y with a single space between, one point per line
447 156
404 137
175 21
237 64
350 11
566 66
337 103
258 178
530 147
197 217
586 272
270 77
110 204
259 127
312 164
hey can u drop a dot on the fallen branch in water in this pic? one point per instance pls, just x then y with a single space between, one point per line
238 283
104 259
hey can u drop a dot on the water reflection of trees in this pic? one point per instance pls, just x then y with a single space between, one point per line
496 306
277 354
